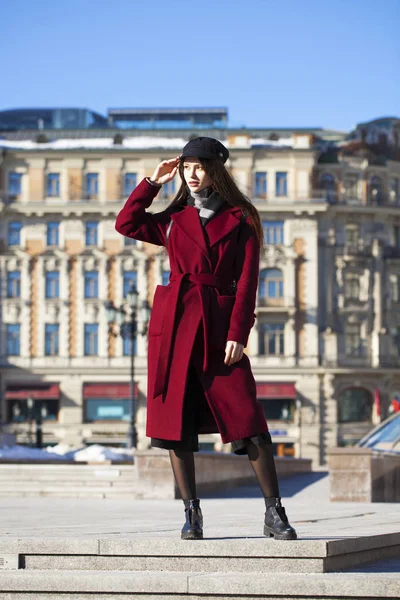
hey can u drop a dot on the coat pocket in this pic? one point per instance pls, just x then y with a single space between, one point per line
160 302
221 317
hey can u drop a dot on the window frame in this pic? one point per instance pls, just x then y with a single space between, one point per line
91 278
14 279
48 338
16 328
53 233
89 330
281 176
273 231
14 231
53 180
52 278
91 229
260 184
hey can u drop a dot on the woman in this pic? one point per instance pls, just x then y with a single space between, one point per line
199 379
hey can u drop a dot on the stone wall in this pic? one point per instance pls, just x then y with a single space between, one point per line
362 475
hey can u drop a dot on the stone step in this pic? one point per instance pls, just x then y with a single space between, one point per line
208 555
115 585
65 483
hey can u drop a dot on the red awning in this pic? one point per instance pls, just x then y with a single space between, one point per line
16 391
276 390
108 390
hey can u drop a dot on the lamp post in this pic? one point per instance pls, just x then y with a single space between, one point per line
123 320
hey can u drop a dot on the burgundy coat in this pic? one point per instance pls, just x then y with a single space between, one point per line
199 300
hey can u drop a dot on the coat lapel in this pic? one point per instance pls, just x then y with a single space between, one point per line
225 221
189 221
222 224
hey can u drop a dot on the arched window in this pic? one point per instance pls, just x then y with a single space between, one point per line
270 289
328 186
355 405
375 195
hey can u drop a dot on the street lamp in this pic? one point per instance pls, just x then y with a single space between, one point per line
123 320
35 413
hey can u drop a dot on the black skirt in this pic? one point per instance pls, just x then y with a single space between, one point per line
190 425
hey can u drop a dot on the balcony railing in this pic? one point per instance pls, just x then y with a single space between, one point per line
263 302
359 248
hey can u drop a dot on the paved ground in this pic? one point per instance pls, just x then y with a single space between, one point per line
239 514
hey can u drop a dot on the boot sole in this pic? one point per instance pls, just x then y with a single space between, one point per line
192 535
270 533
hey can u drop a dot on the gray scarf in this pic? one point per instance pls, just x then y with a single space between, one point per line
207 201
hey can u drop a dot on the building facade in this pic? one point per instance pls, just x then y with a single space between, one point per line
325 349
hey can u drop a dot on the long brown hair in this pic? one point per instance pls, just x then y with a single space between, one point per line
225 185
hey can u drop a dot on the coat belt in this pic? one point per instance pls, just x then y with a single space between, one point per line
201 281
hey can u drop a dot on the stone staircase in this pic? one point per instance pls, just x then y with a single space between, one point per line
168 568
70 481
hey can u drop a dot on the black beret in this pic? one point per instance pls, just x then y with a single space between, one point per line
205 147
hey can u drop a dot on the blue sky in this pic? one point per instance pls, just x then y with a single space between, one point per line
278 63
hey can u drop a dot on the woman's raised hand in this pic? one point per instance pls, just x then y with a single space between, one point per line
166 171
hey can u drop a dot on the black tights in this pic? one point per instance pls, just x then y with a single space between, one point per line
261 458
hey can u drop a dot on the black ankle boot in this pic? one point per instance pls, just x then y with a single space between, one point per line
276 523
193 527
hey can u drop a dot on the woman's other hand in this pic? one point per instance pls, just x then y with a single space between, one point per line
166 171
233 352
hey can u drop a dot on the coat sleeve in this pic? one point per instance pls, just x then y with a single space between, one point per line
247 266
133 221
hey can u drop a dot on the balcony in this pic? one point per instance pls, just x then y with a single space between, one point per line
284 304
359 248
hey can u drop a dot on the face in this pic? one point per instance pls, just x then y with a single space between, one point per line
195 176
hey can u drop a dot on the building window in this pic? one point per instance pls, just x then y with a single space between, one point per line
271 339
350 185
91 284
18 412
14 284
129 282
281 183
107 409
260 184
270 289
168 189
355 346
129 183
13 339
53 185
51 335
352 287
92 186
129 241
91 335
355 405
52 284
91 233
53 233
273 232
14 233
352 233
165 277
14 183
375 191
394 190
127 344
279 409
327 183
